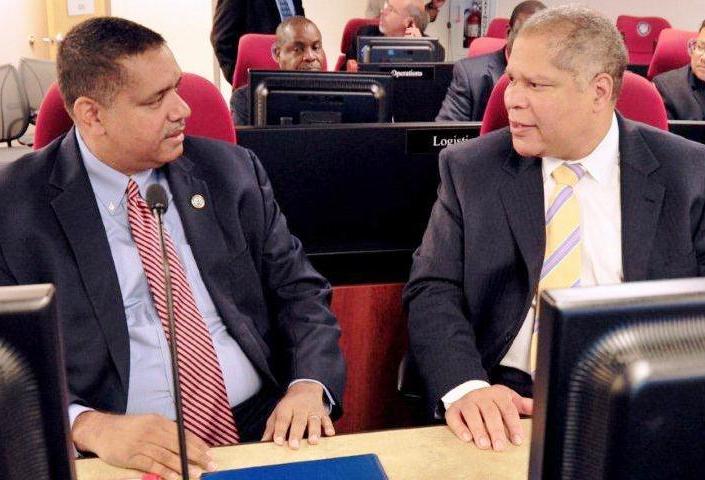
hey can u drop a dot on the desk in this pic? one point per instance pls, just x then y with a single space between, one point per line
420 453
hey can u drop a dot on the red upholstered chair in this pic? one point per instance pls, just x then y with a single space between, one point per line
671 51
254 52
639 100
374 340
498 28
52 118
349 32
210 116
640 35
485 45
495 116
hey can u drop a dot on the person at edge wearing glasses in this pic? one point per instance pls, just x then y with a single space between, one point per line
683 89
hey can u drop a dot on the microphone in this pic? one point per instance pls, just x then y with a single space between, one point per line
158 203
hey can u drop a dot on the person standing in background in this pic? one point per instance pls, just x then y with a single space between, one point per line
235 18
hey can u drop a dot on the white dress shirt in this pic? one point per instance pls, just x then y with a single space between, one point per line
598 195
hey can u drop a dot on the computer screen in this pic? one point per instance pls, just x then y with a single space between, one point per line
419 88
619 389
34 434
398 50
314 98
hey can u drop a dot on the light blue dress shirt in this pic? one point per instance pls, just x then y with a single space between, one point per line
150 382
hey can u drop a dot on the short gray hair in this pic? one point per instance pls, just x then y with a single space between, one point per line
583 41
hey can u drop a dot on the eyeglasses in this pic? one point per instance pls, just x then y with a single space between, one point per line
389 6
695 47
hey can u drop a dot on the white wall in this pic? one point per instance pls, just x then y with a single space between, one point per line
684 14
20 19
185 24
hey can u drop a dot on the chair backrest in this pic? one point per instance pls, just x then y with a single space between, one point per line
498 28
671 51
52 119
485 45
640 35
210 116
349 32
638 100
37 76
254 52
373 341
14 109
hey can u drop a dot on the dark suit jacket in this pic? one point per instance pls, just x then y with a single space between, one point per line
473 81
234 18
683 94
240 105
475 273
270 298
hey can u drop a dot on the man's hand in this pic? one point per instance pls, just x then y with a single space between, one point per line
300 410
486 415
412 31
143 442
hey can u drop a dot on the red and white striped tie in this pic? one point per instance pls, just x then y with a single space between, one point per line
204 399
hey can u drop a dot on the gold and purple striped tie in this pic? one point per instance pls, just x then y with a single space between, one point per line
562 261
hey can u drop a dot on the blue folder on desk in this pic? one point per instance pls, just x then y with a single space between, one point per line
357 467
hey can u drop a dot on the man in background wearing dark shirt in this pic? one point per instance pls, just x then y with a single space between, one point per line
235 18
683 89
298 47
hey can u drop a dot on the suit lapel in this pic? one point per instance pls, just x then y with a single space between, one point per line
77 212
212 252
642 199
522 197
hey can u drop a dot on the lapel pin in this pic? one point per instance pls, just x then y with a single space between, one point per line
198 202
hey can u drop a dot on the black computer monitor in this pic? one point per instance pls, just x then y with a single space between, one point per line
691 129
620 383
419 88
34 430
313 98
398 50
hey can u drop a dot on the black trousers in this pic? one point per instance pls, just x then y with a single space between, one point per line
517 380
252 414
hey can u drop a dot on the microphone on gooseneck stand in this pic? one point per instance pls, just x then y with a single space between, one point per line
158 202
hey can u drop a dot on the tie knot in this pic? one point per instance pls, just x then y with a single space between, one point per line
132 189
568 174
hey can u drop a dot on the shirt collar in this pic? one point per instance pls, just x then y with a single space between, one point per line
108 184
599 163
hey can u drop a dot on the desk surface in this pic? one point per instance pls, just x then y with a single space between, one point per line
420 453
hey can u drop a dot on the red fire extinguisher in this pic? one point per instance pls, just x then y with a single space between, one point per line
473 20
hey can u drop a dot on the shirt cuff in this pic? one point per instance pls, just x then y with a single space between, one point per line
329 398
74 411
461 390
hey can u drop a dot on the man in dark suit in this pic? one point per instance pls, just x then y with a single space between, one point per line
570 191
255 332
683 89
474 78
235 18
298 47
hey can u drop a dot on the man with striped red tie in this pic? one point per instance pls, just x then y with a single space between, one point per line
570 194
258 347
